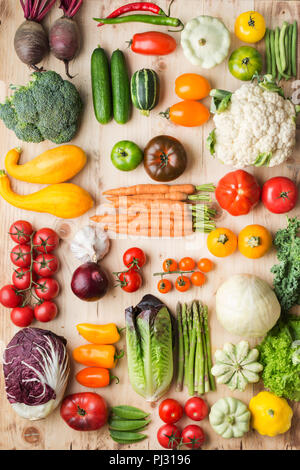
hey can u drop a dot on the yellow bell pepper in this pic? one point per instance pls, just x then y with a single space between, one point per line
271 415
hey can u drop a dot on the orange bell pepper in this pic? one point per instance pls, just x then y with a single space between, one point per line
99 334
96 355
95 377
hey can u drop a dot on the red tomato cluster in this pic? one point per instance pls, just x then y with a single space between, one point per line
183 282
131 280
192 436
32 278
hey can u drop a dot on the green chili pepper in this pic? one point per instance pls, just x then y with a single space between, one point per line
152 19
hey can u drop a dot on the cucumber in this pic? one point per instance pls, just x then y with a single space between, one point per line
101 86
120 87
145 90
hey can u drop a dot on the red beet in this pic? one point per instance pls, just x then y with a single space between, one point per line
89 282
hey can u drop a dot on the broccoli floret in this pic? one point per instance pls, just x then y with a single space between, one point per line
47 108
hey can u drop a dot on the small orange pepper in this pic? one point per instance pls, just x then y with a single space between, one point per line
96 355
95 377
99 334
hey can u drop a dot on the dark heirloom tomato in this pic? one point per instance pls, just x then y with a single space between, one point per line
164 158
84 411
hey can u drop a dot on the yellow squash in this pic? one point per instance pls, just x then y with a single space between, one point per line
271 415
65 200
53 166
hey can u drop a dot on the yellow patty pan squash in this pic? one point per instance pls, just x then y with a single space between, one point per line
271 415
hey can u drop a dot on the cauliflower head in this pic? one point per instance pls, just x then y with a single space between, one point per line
257 128
47 108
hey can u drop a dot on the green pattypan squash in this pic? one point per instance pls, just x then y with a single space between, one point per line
236 365
205 41
229 417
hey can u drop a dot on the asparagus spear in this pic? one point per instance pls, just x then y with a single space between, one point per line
192 357
180 350
200 388
189 317
206 379
197 354
208 349
185 342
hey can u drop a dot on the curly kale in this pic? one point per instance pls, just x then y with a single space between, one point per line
287 273
47 108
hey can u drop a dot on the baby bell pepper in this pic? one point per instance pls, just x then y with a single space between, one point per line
95 377
97 355
99 334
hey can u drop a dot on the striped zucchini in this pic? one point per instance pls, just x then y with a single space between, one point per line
145 90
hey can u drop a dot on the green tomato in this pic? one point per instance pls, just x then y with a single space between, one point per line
126 155
244 62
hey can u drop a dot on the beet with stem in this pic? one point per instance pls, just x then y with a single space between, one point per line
31 41
64 35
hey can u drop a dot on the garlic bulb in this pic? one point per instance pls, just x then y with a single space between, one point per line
90 244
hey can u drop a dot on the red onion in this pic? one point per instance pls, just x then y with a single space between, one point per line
89 282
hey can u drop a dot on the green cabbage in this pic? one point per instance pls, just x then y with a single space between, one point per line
149 348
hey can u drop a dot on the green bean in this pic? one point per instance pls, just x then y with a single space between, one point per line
290 35
268 52
286 48
129 412
282 46
294 49
272 45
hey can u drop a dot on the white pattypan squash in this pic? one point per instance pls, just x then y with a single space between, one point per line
229 417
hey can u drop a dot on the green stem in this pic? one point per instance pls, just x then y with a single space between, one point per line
180 369
199 197
209 187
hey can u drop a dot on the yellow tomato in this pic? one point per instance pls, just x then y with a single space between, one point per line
254 241
250 26
221 242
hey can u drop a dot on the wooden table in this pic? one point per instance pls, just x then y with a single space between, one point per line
99 174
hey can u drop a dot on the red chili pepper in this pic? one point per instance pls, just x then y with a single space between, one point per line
137 6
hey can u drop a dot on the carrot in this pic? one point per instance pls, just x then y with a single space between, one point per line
161 204
147 218
150 189
150 231
173 196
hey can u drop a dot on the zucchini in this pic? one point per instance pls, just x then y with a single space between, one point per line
145 90
101 86
120 87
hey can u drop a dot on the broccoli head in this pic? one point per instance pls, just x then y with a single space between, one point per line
48 108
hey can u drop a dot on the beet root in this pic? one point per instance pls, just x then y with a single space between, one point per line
31 43
64 40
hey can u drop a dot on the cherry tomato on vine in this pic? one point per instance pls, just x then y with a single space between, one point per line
169 436
198 278
182 283
47 288
9 296
21 256
45 264
196 408
22 316
45 240
205 265
164 286
170 265
130 281
20 232
45 312
186 264
21 278
170 411
134 258
193 436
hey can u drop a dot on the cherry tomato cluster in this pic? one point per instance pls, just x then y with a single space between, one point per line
32 278
183 282
131 279
192 436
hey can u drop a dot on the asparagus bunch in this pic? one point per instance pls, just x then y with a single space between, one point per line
194 349
281 51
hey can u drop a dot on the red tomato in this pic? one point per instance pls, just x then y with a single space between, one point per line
237 192
153 43
45 312
130 281
47 288
22 316
21 278
45 265
134 258
279 195
169 436
45 240
193 436
196 409
205 265
21 256
170 411
9 297
84 411
186 264
20 232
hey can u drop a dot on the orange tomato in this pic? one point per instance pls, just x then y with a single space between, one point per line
94 377
182 283
254 241
96 355
191 86
170 265
186 264
198 278
221 242
164 286
189 113
205 265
